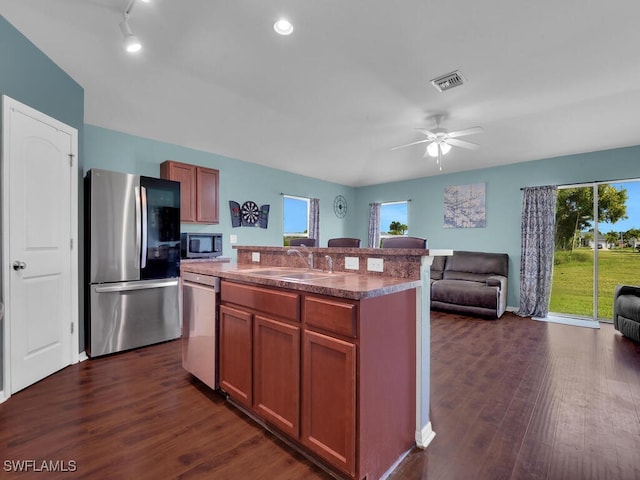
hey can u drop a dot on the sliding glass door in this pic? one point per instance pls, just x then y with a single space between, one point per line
597 235
572 286
619 256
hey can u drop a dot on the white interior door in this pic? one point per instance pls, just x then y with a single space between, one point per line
39 245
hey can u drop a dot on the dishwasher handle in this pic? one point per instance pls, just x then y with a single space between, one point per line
202 280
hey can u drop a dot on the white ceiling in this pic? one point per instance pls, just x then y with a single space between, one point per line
544 78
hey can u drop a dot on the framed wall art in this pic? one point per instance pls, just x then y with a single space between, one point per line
464 206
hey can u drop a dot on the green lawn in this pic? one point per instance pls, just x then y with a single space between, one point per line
572 288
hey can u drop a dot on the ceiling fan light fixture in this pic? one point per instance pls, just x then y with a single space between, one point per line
432 148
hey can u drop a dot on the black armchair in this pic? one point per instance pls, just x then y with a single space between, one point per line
344 242
626 311
307 242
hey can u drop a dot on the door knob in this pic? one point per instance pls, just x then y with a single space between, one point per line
19 265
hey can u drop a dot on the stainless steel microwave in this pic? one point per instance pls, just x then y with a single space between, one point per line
200 245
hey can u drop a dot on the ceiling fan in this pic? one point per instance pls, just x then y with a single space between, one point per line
440 140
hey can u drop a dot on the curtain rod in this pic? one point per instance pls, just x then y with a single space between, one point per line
393 201
292 195
584 184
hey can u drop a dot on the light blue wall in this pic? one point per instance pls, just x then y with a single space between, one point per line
29 76
503 200
239 181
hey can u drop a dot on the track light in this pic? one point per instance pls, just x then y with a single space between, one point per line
131 42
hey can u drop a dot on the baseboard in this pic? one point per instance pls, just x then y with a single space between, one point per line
82 356
576 322
286 440
395 465
425 436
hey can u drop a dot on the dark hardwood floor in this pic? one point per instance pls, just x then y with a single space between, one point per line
510 399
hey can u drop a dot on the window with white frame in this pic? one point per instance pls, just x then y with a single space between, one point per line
296 218
393 219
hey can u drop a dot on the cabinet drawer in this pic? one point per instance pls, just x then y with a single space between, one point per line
337 317
281 304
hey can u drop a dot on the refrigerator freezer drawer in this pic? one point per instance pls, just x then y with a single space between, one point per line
128 315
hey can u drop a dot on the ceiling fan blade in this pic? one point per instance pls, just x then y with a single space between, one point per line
427 132
462 143
409 144
466 131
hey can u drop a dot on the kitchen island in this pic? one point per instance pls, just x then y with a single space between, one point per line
332 361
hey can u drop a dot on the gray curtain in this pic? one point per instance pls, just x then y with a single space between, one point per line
374 225
536 258
314 219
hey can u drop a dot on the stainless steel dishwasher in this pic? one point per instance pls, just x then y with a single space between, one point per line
200 297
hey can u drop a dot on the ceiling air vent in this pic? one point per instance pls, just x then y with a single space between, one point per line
448 81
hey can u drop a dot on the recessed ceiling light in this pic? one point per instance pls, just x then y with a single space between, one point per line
283 27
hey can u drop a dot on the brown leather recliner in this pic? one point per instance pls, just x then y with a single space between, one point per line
626 311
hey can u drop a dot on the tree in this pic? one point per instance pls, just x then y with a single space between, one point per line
397 228
612 238
574 211
630 234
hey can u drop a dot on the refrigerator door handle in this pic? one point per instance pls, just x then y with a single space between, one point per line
124 287
143 197
138 227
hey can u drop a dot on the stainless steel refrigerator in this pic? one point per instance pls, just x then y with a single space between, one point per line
132 260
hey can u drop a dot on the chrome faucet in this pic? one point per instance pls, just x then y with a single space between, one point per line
329 263
308 260
310 256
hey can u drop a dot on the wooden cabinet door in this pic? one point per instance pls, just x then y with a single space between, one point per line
329 399
276 373
199 188
207 197
235 354
186 175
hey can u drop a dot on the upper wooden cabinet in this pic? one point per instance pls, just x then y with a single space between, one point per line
198 191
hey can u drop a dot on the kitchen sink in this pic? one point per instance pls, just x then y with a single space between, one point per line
292 274
304 276
268 273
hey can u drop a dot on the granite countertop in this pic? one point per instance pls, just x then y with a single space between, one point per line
200 260
349 285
